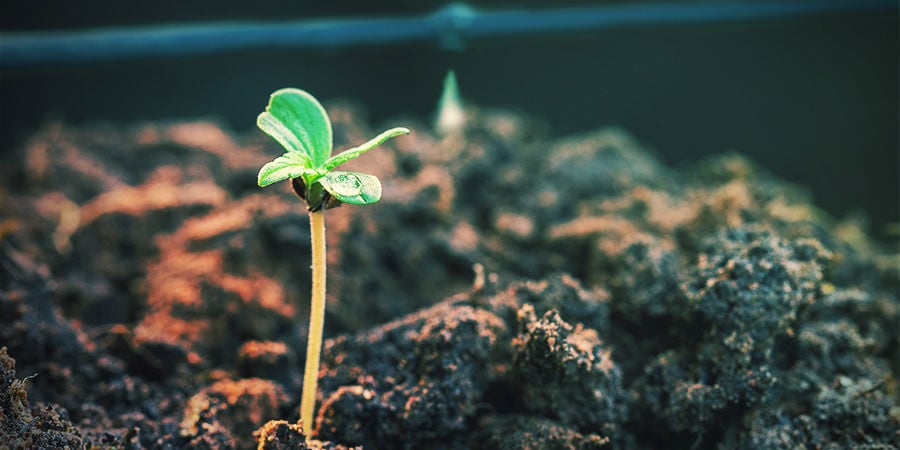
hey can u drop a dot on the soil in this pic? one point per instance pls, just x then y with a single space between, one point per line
510 291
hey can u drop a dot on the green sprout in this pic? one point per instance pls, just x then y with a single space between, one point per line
451 116
299 123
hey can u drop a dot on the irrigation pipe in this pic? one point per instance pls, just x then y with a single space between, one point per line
452 26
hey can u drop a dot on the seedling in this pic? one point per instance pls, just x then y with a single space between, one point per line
451 116
299 123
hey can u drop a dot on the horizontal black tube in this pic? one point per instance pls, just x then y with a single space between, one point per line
451 26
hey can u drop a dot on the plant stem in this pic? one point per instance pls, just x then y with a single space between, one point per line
316 322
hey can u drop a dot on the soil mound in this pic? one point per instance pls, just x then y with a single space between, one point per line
509 291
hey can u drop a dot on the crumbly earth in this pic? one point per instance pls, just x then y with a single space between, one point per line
510 291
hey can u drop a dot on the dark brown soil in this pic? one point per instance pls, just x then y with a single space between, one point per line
508 292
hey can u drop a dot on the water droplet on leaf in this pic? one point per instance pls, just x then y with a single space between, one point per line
347 184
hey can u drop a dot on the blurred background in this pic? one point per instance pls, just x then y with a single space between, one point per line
812 96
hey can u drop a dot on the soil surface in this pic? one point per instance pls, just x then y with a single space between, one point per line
509 291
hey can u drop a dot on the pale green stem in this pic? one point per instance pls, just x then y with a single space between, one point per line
316 322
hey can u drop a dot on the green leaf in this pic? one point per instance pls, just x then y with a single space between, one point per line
355 152
299 123
289 165
352 187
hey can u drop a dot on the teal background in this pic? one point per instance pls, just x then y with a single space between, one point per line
814 99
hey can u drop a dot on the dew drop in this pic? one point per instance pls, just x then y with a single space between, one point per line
347 184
